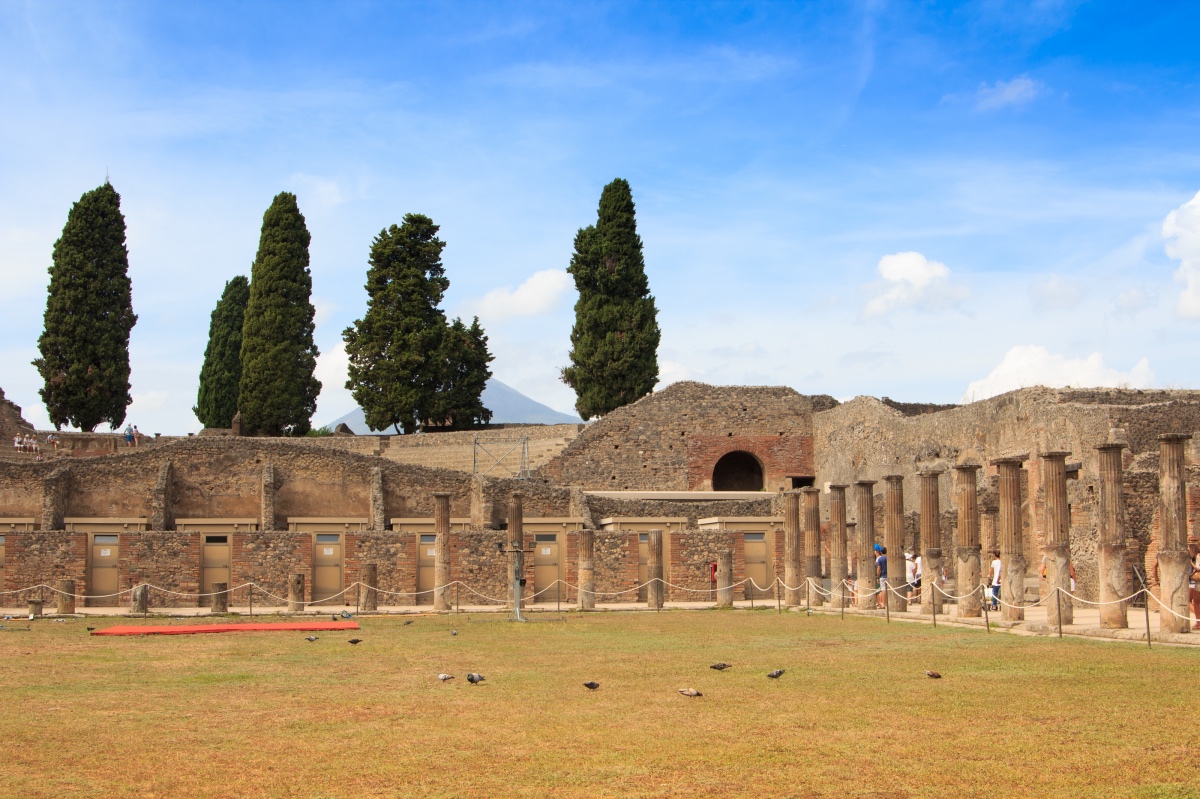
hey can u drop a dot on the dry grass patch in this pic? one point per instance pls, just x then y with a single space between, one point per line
269 714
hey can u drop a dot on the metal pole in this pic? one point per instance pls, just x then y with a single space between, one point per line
987 600
778 601
358 599
933 586
558 596
1145 591
887 606
252 600
750 591
842 599
1058 608
808 594
457 606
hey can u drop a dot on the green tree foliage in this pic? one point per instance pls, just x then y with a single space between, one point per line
217 400
614 343
89 314
407 366
278 390
465 358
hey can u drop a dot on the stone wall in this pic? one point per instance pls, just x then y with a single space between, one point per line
43 557
615 555
646 445
604 507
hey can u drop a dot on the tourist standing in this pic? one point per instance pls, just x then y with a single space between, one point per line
881 572
994 572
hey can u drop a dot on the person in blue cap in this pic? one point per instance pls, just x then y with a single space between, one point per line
881 574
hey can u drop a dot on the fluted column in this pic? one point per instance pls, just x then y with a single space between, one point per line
1012 555
1056 524
837 545
586 597
1114 573
967 551
441 550
893 539
811 500
516 545
794 592
865 511
931 537
656 590
1174 565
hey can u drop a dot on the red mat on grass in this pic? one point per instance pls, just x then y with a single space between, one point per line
189 629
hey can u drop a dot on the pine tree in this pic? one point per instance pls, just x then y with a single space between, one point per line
217 400
465 359
277 393
614 343
89 314
394 350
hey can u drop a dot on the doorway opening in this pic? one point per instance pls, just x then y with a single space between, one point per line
738 471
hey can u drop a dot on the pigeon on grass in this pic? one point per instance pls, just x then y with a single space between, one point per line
591 685
445 677
933 675
475 679
356 641
690 693
721 666
312 639
775 675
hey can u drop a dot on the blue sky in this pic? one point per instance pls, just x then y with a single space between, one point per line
924 201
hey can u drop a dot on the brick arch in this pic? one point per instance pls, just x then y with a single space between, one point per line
738 471
781 457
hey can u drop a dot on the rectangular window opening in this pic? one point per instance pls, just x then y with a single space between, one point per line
105 539
803 482
329 538
756 536
428 539
545 537
216 539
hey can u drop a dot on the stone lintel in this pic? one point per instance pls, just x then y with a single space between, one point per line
1112 447
1174 437
1018 459
865 482
1055 453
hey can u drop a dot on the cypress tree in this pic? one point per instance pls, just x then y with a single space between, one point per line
89 314
614 343
217 400
465 359
277 393
395 350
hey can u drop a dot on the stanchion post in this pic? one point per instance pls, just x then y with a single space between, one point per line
778 600
1146 603
1058 608
252 600
843 602
887 606
987 624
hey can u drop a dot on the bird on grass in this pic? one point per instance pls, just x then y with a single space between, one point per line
721 666
334 617
347 614
356 641
310 638
454 632
475 679
690 693
591 685
445 677
410 621
933 675
775 675
89 629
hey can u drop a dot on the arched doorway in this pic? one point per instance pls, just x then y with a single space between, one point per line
737 471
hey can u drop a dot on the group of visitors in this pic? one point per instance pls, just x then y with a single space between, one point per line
133 437
26 444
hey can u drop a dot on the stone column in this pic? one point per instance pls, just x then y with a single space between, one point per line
441 551
655 591
865 510
378 508
516 544
987 531
837 546
1173 562
370 581
793 592
295 586
967 543
1012 555
266 521
1114 574
725 578
1056 525
139 599
893 539
931 537
220 598
811 499
586 599
66 597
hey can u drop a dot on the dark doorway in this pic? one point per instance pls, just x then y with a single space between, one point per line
803 482
738 471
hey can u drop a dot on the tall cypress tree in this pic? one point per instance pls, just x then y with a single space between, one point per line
89 314
277 393
395 349
465 359
614 343
217 400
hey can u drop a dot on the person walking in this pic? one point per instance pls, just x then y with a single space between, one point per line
881 573
129 436
994 571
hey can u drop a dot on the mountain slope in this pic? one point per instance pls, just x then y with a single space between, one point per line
508 406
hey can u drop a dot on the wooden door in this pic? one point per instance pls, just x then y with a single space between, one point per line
643 572
327 569
757 566
426 555
103 571
545 568
214 565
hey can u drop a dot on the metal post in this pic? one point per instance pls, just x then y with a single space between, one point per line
457 606
987 600
518 571
252 600
887 606
1146 591
933 587
1058 608
778 600
843 602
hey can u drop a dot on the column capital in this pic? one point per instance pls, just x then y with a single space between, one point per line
1114 447
967 467
440 494
865 482
810 490
1054 454
894 479
931 472
1010 459
1172 437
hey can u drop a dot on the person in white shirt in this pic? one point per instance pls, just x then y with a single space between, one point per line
994 572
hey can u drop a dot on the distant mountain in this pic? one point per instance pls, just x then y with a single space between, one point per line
508 406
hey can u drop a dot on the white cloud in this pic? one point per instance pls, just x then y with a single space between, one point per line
540 293
1056 292
1133 300
910 280
1018 91
1181 229
1027 365
335 399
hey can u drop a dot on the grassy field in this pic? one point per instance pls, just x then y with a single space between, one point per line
269 714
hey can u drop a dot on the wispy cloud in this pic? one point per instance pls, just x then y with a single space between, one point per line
542 292
1056 292
1018 91
1028 365
1181 229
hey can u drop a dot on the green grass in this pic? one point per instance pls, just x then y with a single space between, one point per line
268 714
